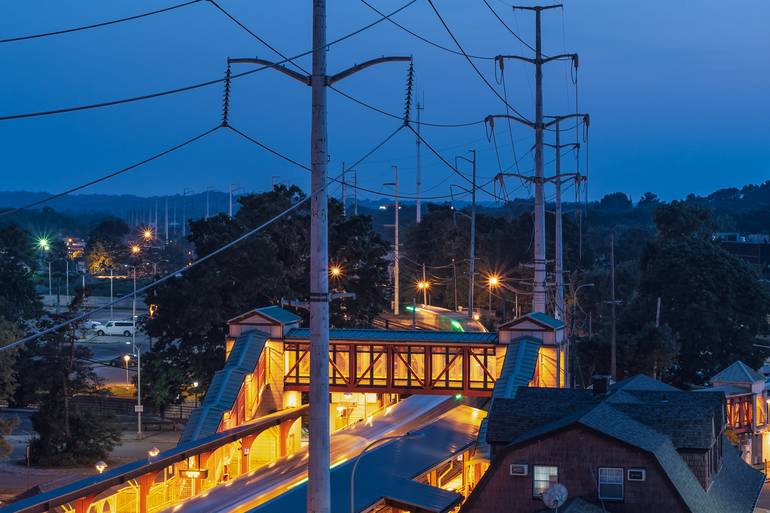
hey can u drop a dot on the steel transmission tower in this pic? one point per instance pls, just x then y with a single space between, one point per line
539 126
319 492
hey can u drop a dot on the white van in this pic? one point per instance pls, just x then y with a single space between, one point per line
125 328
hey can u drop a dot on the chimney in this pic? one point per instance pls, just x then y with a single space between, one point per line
601 384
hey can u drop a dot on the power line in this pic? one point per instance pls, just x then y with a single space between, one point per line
182 89
470 61
424 39
507 27
163 279
97 25
113 174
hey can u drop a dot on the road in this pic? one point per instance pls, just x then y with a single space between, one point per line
265 483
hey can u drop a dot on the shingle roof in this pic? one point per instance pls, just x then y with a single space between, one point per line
224 387
539 318
738 372
468 337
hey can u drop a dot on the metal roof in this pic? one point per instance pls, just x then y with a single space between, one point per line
387 472
224 387
738 372
518 370
94 485
539 318
273 313
374 335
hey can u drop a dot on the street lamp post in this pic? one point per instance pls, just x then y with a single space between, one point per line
361 454
195 386
492 281
126 358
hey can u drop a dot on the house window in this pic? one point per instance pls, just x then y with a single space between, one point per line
543 478
610 484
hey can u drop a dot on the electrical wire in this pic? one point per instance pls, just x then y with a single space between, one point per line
192 87
470 61
97 25
509 28
424 39
113 174
162 279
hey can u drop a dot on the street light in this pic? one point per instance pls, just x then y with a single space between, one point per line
100 466
493 281
195 386
147 234
135 249
335 271
153 452
126 359
360 455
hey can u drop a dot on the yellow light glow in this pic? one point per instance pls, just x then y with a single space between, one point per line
494 280
476 317
388 410
335 271
135 249
126 358
147 234
153 452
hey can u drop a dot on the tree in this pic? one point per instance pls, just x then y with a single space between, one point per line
60 369
616 201
684 219
162 380
99 258
652 350
18 299
190 324
106 245
8 332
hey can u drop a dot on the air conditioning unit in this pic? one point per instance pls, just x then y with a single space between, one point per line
519 469
637 474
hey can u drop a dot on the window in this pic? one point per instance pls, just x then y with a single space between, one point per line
637 474
543 478
610 484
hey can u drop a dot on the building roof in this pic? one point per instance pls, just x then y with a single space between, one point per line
517 371
657 420
373 335
224 387
273 313
387 471
537 317
738 372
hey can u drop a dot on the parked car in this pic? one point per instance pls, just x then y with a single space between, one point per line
93 325
125 328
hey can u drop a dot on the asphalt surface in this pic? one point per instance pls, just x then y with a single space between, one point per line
265 483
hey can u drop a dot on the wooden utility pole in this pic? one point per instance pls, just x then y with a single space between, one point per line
424 286
613 304
319 492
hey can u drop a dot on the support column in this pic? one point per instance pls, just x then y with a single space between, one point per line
145 483
82 504
246 442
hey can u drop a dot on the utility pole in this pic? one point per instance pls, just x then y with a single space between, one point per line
396 295
165 222
355 192
344 202
454 279
539 280
558 238
319 491
231 189
208 190
424 287
418 205
472 250
613 303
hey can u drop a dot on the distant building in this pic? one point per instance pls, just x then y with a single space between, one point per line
746 409
754 248
638 446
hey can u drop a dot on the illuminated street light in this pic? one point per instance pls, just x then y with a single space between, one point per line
100 466
493 281
422 285
195 386
135 249
153 452
43 243
126 359
335 271
147 234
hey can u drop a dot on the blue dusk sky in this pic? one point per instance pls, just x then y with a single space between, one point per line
678 92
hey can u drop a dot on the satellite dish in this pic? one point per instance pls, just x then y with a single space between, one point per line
555 496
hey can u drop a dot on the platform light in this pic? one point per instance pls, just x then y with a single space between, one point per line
135 249
43 243
493 280
335 271
100 466
153 452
